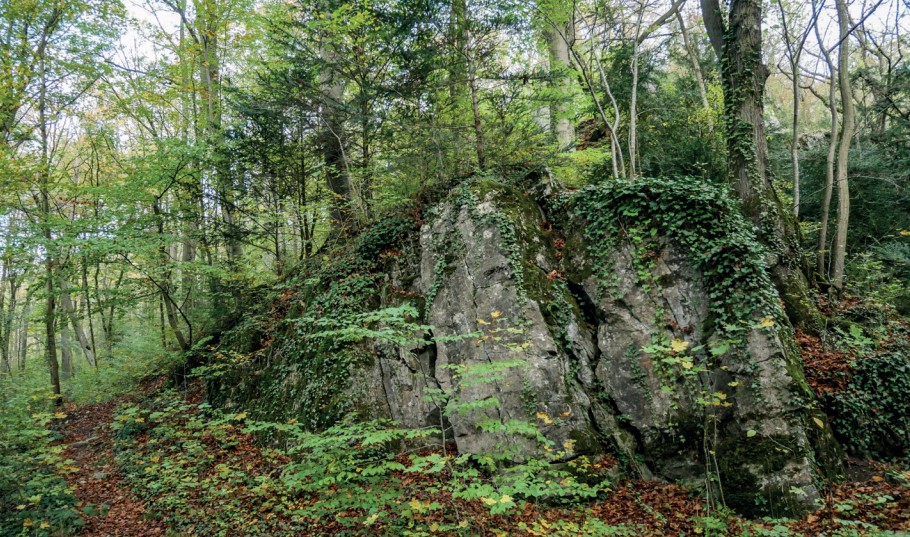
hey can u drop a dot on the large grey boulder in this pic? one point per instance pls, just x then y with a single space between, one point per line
742 421
526 324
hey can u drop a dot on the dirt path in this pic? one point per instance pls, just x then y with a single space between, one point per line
98 482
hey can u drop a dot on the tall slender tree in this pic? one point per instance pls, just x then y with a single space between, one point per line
848 125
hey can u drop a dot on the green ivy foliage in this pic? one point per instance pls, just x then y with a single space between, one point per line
871 417
697 216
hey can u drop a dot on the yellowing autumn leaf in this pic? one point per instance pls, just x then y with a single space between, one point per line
905 233
686 364
733 384
434 527
767 322
371 519
488 501
463 524
415 504
45 525
60 415
496 314
505 499
820 423
679 345
544 417
481 321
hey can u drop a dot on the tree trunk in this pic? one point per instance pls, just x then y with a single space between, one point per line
332 136
743 78
478 124
66 352
44 201
560 62
633 98
839 251
86 297
166 287
820 256
794 51
794 140
107 315
6 319
22 339
616 158
7 313
66 302
696 65
207 26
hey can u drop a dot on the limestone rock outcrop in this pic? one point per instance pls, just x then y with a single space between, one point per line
524 323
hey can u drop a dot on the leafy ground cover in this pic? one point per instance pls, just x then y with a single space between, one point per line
196 471
163 461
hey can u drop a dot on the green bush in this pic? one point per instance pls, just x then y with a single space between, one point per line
871 416
34 498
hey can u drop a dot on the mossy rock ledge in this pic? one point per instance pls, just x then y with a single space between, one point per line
616 344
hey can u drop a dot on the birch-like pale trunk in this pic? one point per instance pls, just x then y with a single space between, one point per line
848 124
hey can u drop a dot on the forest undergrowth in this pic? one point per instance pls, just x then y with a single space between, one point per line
157 459
184 468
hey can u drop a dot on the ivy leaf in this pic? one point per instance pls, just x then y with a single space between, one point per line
750 433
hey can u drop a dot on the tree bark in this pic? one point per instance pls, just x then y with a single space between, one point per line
793 55
66 352
7 313
696 65
332 135
207 27
562 127
821 267
848 121
479 143
69 309
743 78
633 98
44 201
22 338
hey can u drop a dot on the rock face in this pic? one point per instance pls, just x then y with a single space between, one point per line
529 326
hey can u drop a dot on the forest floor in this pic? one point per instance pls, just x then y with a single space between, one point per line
98 481
868 504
